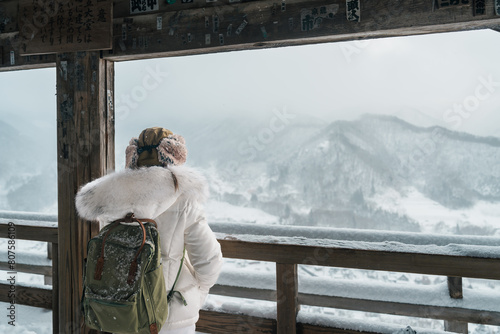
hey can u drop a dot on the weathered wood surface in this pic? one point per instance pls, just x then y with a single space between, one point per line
223 323
406 309
463 315
64 26
287 287
28 296
188 30
55 290
456 292
38 233
83 149
455 287
29 268
225 25
431 264
312 329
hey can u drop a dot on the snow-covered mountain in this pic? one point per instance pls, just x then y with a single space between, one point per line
27 172
337 174
376 172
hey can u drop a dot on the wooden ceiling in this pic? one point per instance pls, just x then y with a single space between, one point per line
155 28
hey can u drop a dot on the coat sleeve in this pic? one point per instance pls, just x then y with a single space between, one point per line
202 248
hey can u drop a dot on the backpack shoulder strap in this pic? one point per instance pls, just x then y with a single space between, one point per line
172 291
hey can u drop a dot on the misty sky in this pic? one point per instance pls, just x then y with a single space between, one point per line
446 79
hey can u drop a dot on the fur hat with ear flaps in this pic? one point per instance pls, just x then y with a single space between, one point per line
156 147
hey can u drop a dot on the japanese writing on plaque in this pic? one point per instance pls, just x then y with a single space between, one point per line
353 10
143 6
64 25
452 3
312 18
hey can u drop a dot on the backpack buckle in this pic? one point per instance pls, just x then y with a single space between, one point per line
129 218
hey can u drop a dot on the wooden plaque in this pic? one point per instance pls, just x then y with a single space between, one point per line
54 26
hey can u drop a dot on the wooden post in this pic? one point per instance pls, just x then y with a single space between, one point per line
455 290
47 280
85 147
55 291
287 298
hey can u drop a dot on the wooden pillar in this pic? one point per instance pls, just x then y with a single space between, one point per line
55 291
85 148
287 298
455 290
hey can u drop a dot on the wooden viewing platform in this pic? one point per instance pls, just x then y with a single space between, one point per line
131 30
289 294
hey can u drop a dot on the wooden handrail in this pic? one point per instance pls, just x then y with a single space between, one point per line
418 263
32 296
31 232
287 256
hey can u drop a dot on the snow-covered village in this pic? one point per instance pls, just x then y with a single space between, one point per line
250 166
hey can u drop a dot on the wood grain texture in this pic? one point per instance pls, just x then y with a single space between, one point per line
82 156
222 323
287 288
405 309
367 305
55 290
456 327
455 287
185 27
38 233
28 295
29 268
314 329
67 26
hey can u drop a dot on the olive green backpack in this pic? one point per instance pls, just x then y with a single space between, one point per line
124 288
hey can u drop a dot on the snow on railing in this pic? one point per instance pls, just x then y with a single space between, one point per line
289 246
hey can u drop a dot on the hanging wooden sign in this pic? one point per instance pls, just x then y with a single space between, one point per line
55 26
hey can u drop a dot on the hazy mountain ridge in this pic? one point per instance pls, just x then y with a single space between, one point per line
27 178
327 176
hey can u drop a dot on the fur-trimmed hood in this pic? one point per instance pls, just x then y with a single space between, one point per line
147 192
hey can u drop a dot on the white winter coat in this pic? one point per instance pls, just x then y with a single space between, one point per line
150 193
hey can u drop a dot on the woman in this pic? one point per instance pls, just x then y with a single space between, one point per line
155 185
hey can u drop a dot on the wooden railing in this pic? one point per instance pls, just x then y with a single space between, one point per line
25 295
287 253
451 261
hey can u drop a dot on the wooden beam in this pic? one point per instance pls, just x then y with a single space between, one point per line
455 287
226 25
83 155
456 292
315 329
367 305
240 292
405 309
222 323
11 60
29 268
432 264
287 289
55 290
37 233
30 296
